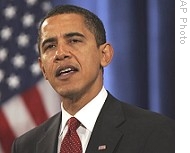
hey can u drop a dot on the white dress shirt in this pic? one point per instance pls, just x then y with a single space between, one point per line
87 116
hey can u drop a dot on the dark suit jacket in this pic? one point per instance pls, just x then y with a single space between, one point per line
120 127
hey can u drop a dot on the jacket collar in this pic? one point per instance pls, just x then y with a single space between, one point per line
108 128
48 143
105 136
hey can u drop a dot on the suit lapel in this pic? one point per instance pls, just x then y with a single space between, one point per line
105 136
48 143
107 131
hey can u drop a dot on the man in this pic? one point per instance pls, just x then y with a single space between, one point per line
73 52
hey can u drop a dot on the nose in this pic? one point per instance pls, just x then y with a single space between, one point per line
62 53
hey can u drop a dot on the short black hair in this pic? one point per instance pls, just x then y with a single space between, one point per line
92 22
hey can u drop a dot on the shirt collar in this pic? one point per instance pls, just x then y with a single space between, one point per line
89 113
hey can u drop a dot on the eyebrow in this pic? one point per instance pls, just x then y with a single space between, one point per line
67 35
49 40
72 34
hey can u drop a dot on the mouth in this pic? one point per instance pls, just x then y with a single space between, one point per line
66 70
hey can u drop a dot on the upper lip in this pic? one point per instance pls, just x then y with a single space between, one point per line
65 69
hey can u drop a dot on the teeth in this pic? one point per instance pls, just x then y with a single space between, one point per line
65 70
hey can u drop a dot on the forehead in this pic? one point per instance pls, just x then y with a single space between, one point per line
64 21
60 25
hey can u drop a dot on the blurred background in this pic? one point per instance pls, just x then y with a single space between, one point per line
142 72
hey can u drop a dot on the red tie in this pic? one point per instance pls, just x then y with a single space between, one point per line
71 142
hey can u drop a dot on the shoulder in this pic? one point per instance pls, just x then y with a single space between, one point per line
156 132
140 117
44 126
31 137
150 131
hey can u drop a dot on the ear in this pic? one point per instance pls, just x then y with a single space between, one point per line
107 54
42 68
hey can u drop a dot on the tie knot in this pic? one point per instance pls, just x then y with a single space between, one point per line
73 124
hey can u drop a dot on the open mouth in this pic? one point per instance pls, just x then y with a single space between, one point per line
65 70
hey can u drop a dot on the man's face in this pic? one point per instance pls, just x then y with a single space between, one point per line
70 59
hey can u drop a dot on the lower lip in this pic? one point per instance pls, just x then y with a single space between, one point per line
64 76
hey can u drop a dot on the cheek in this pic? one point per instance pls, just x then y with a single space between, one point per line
47 65
95 59
92 62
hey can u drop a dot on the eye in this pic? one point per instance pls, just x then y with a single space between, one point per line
73 41
49 46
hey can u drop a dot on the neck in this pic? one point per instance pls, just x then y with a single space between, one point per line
73 104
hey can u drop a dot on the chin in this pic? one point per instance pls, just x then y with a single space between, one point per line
69 93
